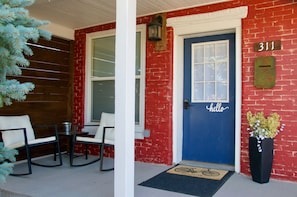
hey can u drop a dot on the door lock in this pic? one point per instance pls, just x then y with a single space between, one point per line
186 104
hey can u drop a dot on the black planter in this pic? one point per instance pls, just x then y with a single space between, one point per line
261 162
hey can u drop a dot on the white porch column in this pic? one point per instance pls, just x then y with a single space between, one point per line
125 97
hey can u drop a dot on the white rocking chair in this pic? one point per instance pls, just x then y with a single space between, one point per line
104 137
17 133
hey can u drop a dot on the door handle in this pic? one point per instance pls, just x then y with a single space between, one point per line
186 104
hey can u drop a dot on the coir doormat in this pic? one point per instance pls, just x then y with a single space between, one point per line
186 184
206 173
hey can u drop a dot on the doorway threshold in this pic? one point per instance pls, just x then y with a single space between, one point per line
208 165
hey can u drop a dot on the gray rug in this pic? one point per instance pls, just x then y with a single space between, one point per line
186 184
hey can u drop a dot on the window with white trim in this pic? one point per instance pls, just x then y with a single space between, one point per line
100 75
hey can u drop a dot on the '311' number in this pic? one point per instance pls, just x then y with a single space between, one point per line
267 46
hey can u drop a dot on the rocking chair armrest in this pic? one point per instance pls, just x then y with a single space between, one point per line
104 132
16 129
78 128
108 127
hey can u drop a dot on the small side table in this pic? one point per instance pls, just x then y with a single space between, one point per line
69 137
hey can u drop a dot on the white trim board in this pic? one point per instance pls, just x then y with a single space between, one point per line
228 20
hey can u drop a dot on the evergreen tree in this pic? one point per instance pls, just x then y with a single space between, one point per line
6 157
16 29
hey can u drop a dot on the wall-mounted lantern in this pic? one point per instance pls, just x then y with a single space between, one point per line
155 29
157 32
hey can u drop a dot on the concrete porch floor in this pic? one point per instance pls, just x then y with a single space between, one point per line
88 181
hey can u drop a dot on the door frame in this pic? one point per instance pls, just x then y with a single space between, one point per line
213 23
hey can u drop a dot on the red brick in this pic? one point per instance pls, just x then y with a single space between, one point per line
266 20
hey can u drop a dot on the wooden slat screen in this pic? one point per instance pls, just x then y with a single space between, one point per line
51 70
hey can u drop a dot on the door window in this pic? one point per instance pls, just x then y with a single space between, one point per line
210 79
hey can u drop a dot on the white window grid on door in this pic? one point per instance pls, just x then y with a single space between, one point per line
210 72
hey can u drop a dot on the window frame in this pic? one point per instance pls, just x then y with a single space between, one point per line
139 128
203 82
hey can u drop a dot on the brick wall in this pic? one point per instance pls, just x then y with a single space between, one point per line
157 148
272 20
158 105
266 20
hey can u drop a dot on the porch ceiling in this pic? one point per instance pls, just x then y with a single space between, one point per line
77 14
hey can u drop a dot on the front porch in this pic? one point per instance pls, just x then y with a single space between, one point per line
88 181
57 100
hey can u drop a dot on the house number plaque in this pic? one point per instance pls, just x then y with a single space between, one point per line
267 46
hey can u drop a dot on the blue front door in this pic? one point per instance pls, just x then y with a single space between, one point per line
209 99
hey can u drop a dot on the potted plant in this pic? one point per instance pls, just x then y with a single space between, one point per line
262 131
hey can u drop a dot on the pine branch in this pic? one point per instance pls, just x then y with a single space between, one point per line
13 89
5 169
6 156
16 29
